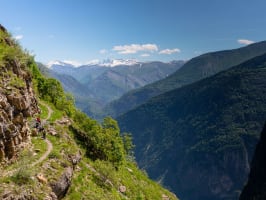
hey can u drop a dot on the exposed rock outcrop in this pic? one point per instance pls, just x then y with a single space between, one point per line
17 102
256 186
60 188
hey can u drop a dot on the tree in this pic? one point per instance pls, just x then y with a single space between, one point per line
128 145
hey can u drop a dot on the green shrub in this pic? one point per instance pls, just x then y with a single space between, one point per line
22 176
106 174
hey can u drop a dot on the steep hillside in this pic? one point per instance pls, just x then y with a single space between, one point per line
194 70
65 154
205 132
83 97
117 80
17 100
255 189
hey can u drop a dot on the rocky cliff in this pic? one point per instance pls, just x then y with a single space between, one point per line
256 186
17 101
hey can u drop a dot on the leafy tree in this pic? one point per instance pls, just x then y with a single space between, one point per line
102 142
128 145
110 123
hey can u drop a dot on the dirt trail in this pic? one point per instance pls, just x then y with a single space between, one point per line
49 144
45 155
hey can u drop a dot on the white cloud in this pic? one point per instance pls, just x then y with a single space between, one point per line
18 37
169 51
145 55
134 48
245 41
72 62
103 51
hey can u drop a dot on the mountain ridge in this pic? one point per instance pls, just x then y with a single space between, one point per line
104 84
205 131
195 69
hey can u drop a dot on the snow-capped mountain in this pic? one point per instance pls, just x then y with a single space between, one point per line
96 62
117 62
62 63
99 82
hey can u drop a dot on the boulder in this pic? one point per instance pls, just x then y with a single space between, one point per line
60 187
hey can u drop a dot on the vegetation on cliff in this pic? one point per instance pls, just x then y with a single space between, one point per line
81 159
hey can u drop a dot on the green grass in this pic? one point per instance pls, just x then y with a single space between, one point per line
23 176
26 156
56 115
94 186
86 183
44 111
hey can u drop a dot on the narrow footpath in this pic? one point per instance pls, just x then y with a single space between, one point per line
49 144
45 155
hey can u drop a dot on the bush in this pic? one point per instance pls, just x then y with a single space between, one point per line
22 176
105 175
49 89
101 142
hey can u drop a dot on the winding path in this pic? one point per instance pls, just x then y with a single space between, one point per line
45 155
49 144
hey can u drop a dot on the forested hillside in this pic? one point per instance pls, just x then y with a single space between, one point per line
197 68
205 132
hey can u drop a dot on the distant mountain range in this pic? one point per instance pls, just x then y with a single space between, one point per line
195 69
198 140
200 123
96 85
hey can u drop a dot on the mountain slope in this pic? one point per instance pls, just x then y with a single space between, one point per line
97 85
82 74
205 132
256 186
194 70
17 100
78 159
118 80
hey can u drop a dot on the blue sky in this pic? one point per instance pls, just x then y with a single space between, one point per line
145 30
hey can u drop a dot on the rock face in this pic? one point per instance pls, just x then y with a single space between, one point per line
256 186
17 102
61 186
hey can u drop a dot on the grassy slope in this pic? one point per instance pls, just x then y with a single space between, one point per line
87 183
90 179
